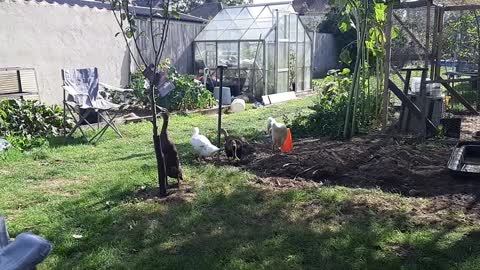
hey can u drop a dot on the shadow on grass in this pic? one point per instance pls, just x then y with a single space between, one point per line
249 228
62 141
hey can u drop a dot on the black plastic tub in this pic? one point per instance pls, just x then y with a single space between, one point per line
451 127
465 160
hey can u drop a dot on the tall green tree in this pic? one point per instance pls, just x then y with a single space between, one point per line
367 18
462 37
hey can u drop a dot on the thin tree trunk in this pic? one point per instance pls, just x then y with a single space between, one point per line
346 132
363 31
386 64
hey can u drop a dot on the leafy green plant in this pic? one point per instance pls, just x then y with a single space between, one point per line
329 107
27 123
137 83
188 94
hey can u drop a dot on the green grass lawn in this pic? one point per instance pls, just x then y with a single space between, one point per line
231 223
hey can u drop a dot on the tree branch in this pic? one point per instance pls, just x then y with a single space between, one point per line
125 38
135 41
151 28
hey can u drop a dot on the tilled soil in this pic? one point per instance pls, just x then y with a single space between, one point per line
392 165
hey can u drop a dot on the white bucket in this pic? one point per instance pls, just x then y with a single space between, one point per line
238 105
226 95
415 83
434 90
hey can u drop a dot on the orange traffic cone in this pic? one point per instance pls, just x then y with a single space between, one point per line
288 144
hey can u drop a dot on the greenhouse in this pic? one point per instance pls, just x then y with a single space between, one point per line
265 47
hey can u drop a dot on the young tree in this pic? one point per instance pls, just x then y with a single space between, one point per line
368 18
125 16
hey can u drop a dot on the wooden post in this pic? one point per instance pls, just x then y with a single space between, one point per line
405 91
427 36
434 59
386 65
423 103
438 55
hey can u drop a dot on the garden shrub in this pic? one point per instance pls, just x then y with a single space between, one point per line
328 116
189 94
28 123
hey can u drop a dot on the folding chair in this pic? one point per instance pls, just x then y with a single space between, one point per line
25 252
82 98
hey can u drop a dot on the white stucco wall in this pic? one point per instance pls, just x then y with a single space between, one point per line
50 37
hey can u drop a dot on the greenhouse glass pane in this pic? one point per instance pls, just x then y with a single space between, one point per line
282 55
244 14
301 32
263 23
222 15
200 57
308 54
300 55
292 62
259 84
242 24
209 35
211 55
270 82
293 27
307 85
271 37
300 80
255 34
217 25
228 54
255 10
249 57
282 26
246 77
200 51
233 12
231 80
282 83
231 34
266 13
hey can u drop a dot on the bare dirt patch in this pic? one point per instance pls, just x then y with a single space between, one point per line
58 186
178 194
379 162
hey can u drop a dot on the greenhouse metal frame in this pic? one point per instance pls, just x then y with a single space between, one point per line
265 47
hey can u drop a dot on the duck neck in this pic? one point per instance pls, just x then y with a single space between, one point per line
165 123
224 132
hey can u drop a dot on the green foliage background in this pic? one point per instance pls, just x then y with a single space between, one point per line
28 123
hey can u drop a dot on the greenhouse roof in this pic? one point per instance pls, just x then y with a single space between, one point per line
251 22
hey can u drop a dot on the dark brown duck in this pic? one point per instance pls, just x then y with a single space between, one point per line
172 162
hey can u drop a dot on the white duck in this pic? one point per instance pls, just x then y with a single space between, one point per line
202 144
279 132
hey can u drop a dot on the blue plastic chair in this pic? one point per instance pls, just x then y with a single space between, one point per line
24 253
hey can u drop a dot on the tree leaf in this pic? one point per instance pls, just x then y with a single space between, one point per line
395 32
344 27
345 57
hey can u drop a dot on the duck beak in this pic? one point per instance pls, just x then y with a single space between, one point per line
162 109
